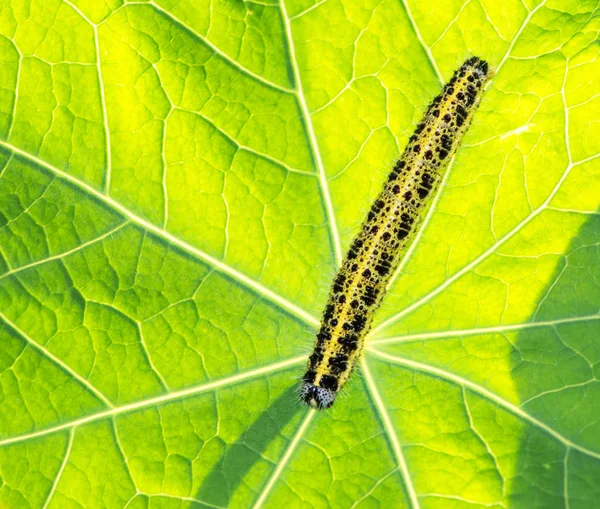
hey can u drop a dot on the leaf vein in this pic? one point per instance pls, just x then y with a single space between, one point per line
107 143
482 391
65 253
157 400
50 356
324 186
425 47
61 469
222 267
391 434
230 60
482 330
285 458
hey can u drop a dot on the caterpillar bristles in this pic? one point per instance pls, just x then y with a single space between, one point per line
391 225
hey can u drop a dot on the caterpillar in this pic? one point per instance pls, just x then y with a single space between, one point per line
390 226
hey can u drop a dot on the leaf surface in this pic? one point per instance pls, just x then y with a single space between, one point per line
178 182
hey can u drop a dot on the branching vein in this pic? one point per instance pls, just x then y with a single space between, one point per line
158 400
501 402
222 267
64 367
324 185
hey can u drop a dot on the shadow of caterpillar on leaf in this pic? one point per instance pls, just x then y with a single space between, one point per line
239 458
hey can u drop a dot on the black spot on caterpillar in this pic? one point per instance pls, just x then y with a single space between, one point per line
390 226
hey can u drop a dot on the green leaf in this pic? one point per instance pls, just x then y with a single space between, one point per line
179 179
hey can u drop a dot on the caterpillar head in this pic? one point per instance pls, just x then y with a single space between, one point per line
317 397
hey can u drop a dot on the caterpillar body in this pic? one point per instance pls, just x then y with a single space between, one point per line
390 226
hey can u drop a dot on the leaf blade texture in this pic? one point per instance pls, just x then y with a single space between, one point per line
178 181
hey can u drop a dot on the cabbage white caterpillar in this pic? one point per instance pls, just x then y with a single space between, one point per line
390 226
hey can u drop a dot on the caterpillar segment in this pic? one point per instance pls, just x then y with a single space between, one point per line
390 226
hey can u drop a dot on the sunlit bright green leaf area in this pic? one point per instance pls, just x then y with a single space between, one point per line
178 182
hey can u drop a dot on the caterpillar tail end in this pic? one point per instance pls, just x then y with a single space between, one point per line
315 397
481 66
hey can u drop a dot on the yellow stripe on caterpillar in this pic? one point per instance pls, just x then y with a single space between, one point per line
390 226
